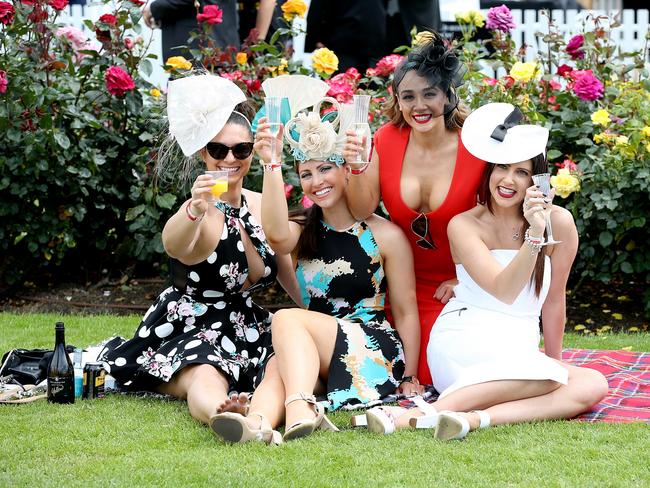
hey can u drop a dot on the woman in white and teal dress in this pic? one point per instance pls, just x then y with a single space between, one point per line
483 351
341 344
204 336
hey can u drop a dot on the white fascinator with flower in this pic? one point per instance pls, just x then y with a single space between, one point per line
198 107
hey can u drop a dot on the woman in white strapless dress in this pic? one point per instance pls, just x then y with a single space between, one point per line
483 351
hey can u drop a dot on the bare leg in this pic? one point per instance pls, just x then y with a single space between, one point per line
268 398
203 386
304 343
517 401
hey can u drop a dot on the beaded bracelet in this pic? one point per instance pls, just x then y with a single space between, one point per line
190 215
359 170
535 243
271 168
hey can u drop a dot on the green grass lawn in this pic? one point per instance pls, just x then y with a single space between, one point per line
128 441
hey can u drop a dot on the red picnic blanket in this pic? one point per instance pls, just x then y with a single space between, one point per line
628 375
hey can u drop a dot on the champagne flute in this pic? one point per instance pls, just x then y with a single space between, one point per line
360 125
543 181
272 107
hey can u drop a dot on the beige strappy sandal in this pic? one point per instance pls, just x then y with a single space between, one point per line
305 427
233 427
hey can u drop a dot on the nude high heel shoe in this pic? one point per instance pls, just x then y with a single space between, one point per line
305 427
233 427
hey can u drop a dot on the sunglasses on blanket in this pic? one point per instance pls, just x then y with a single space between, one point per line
420 227
220 151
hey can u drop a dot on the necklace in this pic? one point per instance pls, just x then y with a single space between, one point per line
515 234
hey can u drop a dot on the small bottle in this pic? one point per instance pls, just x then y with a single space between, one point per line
78 373
60 373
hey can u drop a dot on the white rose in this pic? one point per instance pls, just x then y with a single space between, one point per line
317 138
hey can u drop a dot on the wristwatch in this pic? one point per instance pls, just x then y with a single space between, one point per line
410 379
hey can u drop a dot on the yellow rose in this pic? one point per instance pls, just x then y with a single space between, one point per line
600 117
324 61
462 18
282 69
476 18
422 38
293 8
241 58
524 71
154 92
622 140
646 131
565 183
177 62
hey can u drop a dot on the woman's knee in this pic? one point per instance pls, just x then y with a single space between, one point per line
282 320
590 386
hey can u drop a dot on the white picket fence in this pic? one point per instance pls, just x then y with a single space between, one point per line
629 37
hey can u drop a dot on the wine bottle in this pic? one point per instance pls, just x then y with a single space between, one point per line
60 372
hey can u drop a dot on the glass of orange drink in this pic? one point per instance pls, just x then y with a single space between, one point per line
220 184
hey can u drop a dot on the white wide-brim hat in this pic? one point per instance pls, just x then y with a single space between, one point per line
521 142
198 107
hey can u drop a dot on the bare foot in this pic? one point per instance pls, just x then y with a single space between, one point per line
235 403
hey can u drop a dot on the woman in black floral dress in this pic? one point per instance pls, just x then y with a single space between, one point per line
204 336
343 344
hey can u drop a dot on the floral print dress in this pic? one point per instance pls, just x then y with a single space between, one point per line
204 318
347 281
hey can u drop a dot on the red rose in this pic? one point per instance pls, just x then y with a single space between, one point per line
212 14
508 81
139 3
6 13
353 73
3 81
38 15
118 81
563 70
108 19
58 4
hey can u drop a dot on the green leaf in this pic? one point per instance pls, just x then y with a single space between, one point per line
626 267
605 238
61 139
134 212
146 67
553 154
166 200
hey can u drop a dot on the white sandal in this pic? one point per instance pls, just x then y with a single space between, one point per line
381 420
451 425
430 418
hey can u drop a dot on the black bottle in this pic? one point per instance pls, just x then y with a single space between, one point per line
60 372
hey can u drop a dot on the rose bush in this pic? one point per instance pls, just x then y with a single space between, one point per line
77 128
595 101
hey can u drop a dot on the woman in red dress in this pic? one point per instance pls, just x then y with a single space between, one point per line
422 172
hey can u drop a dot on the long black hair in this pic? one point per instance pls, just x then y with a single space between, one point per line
539 166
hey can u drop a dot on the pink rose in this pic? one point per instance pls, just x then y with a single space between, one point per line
128 43
500 18
386 65
554 85
234 76
6 13
287 190
574 47
370 72
108 19
58 4
76 36
353 73
490 81
340 88
568 164
306 202
118 81
3 81
587 87
212 14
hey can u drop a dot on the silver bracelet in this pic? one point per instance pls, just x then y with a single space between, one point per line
535 243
